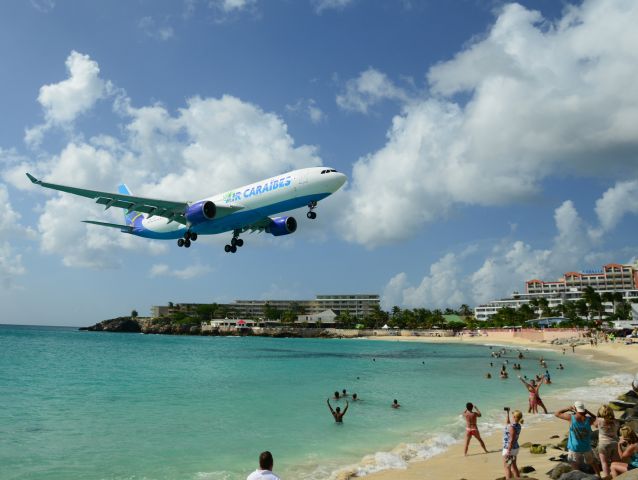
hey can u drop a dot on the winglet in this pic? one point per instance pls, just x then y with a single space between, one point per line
32 178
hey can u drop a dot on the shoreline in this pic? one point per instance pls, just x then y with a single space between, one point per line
451 463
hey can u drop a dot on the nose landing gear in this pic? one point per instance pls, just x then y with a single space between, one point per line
311 214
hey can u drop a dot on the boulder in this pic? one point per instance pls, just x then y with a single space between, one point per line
578 475
527 469
537 449
628 398
560 469
630 475
633 424
620 405
629 413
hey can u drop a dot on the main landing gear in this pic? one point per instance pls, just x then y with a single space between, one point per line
234 243
311 206
188 238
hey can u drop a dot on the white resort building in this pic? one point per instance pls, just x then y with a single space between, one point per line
613 277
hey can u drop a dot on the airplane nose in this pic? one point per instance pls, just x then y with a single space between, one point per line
341 179
335 181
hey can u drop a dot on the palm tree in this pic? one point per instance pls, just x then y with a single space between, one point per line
594 302
465 311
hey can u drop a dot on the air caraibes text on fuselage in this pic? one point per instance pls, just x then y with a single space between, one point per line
273 184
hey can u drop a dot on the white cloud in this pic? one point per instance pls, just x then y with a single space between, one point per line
187 273
62 102
43 6
441 288
307 107
152 30
10 228
616 202
506 267
544 99
230 6
322 5
368 89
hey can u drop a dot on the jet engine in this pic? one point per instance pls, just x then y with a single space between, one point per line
200 212
282 226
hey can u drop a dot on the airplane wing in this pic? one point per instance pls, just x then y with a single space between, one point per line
173 211
124 228
258 226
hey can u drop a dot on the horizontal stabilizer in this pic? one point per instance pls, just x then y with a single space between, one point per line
124 228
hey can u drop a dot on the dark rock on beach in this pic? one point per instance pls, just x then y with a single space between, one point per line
630 475
578 475
560 469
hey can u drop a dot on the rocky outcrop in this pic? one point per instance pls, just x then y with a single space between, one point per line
120 324
162 326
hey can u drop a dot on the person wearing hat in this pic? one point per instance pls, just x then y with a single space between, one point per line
579 441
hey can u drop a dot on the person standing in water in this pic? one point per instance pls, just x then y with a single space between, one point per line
534 397
471 430
337 413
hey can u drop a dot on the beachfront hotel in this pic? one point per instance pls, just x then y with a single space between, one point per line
356 305
613 277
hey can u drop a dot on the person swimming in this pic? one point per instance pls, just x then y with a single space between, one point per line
336 396
354 397
488 375
344 393
337 414
395 404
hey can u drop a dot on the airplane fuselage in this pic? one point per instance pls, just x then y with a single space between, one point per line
255 201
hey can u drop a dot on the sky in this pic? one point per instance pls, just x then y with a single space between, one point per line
485 142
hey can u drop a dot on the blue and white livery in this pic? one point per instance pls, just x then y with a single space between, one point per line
245 208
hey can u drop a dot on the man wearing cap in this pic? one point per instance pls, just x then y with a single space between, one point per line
579 441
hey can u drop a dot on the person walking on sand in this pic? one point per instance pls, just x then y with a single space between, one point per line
338 414
534 397
510 443
579 439
264 472
607 438
628 452
470 414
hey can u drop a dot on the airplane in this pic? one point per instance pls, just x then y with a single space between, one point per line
238 210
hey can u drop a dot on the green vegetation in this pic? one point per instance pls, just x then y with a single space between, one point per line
586 311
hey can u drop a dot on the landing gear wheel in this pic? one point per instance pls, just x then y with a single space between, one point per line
239 242
180 242
233 241
311 215
187 243
233 249
227 248
193 236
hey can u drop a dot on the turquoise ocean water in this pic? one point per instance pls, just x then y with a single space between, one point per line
84 405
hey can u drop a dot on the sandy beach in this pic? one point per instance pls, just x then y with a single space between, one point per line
452 464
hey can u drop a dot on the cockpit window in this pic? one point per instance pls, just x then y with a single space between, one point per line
323 171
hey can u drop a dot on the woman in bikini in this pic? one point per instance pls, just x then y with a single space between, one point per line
534 398
470 414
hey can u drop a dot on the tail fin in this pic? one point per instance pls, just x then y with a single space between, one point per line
128 217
